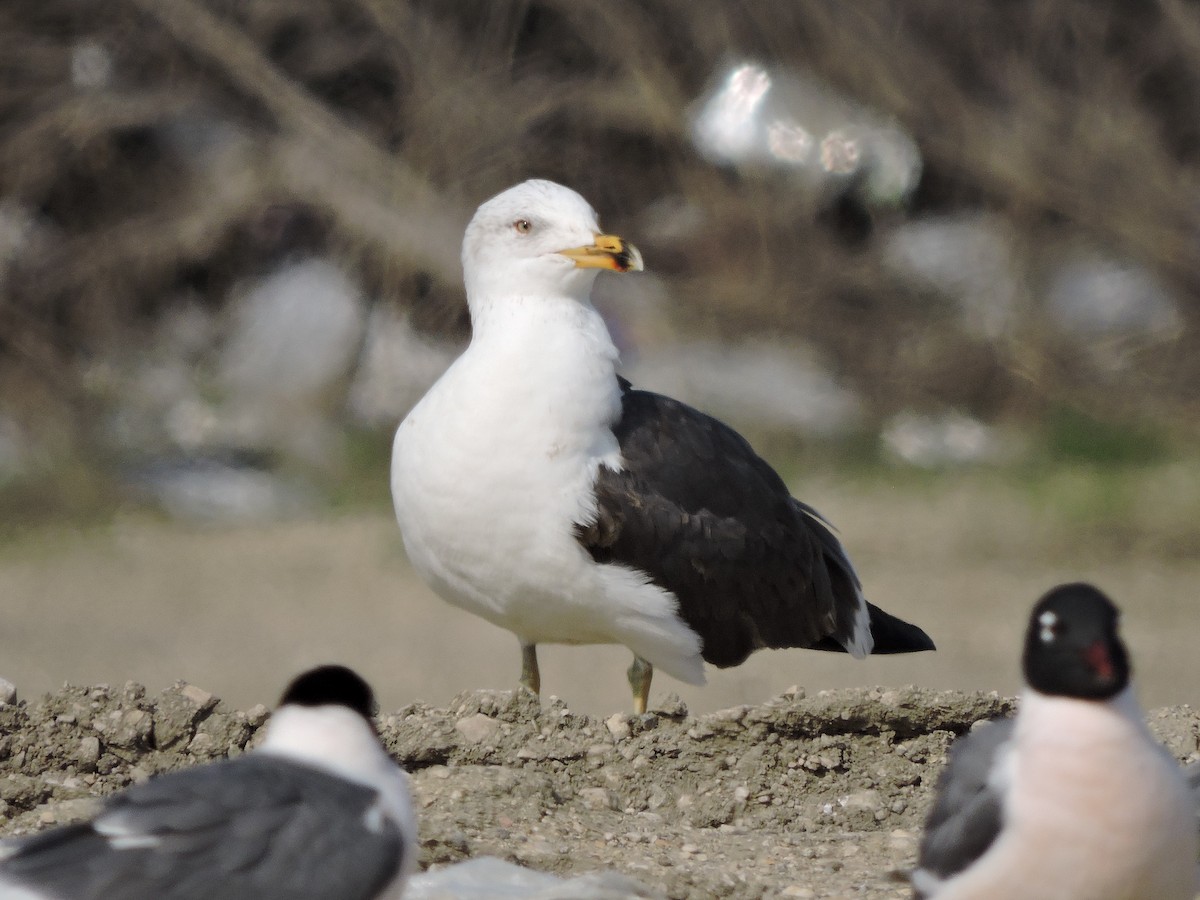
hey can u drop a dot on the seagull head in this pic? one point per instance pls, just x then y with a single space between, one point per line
324 718
331 685
1072 646
539 239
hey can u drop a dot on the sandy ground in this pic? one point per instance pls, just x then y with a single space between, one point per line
240 609
788 797
819 795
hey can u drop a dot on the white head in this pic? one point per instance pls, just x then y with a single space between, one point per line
539 239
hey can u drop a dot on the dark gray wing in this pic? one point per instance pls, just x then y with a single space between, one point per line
706 518
254 828
967 812
1191 772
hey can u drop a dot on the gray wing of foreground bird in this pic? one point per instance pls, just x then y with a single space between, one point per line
966 814
317 812
255 828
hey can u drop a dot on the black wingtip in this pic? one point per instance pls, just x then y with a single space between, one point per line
331 685
894 635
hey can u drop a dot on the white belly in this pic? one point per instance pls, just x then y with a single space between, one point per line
488 491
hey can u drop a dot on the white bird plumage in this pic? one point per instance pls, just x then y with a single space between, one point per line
538 490
493 467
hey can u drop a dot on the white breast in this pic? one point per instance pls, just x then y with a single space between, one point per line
492 469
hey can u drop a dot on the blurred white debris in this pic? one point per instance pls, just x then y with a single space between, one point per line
930 441
8 692
213 490
192 424
756 117
969 259
395 370
91 65
293 338
757 382
1092 295
294 333
490 878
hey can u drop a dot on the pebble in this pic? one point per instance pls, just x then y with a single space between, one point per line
477 728
88 753
618 726
197 695
868 800
201 745
597 798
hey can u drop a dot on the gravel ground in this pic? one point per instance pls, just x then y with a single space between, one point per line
801 796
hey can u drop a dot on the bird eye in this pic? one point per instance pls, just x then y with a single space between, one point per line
523 226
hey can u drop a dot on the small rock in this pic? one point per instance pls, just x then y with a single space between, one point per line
198 696
74 810
672 707
618 726
128 729
477 728
795 890
178 711
88 753
597 798
201 745
8 692
868 800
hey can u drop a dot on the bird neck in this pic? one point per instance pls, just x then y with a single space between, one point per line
1054 719
332 738
555 330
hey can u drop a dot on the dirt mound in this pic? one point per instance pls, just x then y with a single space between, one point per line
797 797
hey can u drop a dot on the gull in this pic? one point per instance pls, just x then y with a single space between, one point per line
538 489
318 811
1073 799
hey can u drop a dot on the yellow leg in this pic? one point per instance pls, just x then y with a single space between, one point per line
531 678
640 673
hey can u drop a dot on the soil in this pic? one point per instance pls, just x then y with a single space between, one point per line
801 796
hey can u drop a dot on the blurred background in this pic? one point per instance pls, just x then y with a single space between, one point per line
938 260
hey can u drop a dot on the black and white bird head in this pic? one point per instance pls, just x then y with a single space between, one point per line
331 685
1072 648
326 717
539 239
